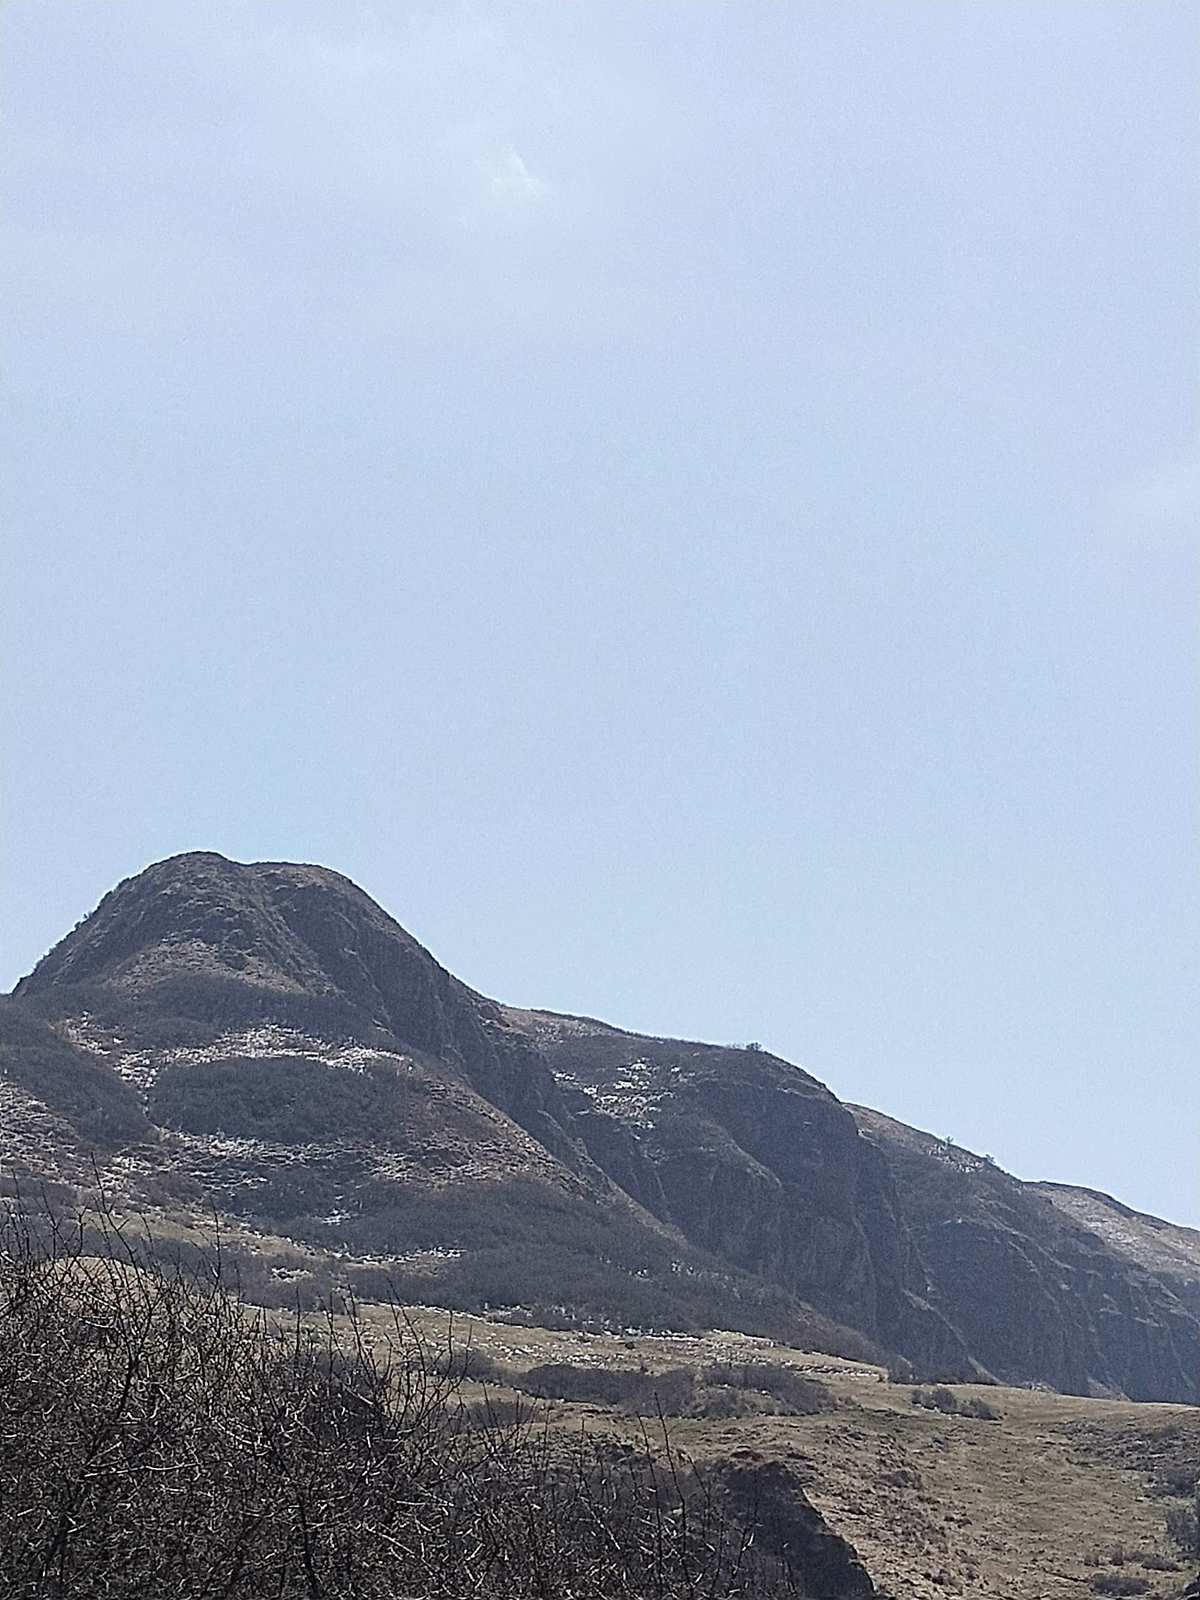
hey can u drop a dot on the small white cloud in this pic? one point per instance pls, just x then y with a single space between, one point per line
507 195
512 183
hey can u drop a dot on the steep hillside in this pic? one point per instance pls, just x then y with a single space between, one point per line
1048 1285
1163 1248
265 1039
756 1162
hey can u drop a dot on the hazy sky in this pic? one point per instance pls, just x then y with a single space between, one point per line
695 507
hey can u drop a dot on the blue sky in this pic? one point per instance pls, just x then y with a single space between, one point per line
695 507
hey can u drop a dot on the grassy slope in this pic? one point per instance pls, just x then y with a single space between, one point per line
1027 1508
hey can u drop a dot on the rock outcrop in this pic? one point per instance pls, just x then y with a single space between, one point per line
767 1494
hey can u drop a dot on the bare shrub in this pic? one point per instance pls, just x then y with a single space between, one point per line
634 1389
1177 1482
465 1363
720 1390
976 1406
1183 1529
946 1401
936 1399
1153 1562
793 1392
160 1437
719 1403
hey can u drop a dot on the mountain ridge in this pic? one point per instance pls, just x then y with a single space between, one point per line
265 1037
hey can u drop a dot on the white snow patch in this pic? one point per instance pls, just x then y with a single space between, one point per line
634 1095
270 1042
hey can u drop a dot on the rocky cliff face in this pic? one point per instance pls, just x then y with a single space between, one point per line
757 1163
265 1038
1167 1251
1046 1284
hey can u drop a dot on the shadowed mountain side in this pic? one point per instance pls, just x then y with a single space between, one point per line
1166 1249
756 1162
1034 1279
76 1096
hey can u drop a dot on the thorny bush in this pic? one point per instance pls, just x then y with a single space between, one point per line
160 1437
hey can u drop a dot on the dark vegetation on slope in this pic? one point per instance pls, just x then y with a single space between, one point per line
716 1390
158 1438
90 1098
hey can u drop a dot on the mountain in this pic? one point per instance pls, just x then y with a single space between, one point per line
265 1039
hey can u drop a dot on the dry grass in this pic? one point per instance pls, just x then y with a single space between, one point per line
1032 1506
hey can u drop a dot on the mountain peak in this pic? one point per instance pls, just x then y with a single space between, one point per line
201 915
